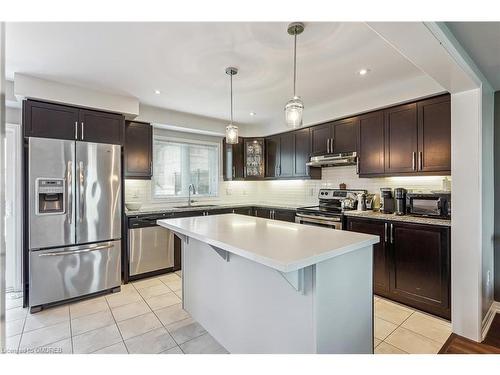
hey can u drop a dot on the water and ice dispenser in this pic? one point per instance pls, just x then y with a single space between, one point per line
50 196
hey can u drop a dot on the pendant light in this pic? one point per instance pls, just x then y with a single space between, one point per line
231 129
294 107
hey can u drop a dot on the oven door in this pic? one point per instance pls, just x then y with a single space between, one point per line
319 221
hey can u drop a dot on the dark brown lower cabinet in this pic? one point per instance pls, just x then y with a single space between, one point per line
284 215
380 251
411 263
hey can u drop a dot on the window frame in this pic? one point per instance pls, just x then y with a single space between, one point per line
190 141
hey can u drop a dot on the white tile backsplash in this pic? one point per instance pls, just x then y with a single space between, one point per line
301 192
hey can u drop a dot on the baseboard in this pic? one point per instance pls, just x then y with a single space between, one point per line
490 315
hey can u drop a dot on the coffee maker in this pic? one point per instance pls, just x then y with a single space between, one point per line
386 201
400 195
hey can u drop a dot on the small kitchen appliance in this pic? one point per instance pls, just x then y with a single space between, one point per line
400 196
386 201
436 205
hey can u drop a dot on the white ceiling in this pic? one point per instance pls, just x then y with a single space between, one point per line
481 40
186 62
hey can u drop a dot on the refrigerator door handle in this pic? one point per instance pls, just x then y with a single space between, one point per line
81 191
87 250
69 191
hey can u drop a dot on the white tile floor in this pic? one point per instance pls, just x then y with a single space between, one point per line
146 317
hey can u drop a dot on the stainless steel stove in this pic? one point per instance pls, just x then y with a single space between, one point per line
332 204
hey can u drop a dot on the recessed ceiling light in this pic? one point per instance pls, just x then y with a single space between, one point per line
157 92
363 72
252 113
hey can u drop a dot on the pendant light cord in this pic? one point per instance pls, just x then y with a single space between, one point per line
294 60
231 76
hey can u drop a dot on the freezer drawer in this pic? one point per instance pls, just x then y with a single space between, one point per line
63 273
151 249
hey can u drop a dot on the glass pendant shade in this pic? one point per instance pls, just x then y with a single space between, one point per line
293 112
231 134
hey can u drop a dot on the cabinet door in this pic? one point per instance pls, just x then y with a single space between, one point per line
243 211
254 161
101 127
420 273
284 215
138 150
49 120
273 156
401 133
345 135
371 144
232 160
381 259
434 135
320 138
262 212
302 152
287 155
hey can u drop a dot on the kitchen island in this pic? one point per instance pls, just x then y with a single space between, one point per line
261 286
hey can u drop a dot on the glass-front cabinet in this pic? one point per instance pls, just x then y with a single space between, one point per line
254 158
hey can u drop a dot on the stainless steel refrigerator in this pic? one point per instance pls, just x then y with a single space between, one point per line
74 219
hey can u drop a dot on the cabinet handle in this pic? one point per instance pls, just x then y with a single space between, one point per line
76 129
234 172
82 130
420 160
332 143
385 229
413 161
328 145
357 164
392 233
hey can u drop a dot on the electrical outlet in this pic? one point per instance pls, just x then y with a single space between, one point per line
228 191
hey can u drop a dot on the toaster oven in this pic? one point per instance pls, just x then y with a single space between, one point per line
436 205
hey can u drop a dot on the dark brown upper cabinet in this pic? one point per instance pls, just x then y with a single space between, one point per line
101 127
232 160
287 155
371 144
413 139
345 135
273 156
320 139
334 137
303 153
138 150
49 120
401 134
434 134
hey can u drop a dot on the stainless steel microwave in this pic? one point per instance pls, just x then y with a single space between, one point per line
429 204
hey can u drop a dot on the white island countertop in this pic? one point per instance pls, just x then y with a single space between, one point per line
283 246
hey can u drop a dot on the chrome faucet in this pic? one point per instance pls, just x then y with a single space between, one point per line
192 189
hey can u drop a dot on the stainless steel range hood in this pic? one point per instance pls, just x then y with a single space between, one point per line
333 160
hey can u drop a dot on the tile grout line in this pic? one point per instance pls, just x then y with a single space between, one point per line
117 327
163 325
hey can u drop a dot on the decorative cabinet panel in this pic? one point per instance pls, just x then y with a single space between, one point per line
232 160
273 158
320 139
254 151
303 154
138 150
345 135
49 120
411 263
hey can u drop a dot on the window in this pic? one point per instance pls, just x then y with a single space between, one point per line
179 163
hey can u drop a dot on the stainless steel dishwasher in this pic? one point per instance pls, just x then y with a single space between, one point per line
151 247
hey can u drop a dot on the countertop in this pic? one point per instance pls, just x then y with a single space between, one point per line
283 246
213 206
404 218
